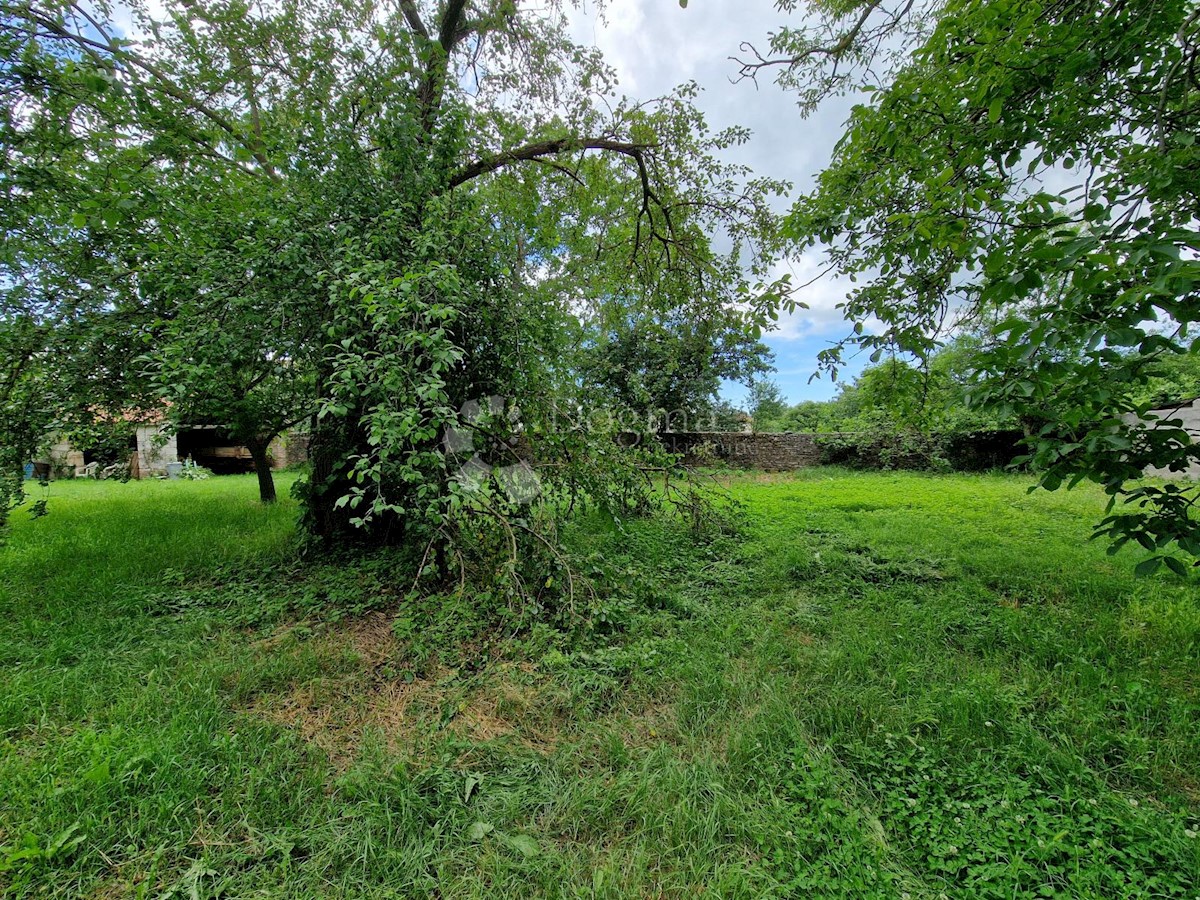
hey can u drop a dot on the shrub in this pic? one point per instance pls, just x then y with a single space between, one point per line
193 471
884 448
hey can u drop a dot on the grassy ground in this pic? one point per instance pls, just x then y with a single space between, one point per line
890 685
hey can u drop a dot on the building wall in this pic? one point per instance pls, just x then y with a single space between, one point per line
154 454
771 452
64 459
768 452
61 460
1189 416
155 448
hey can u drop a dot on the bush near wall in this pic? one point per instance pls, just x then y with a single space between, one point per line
975 451
983 451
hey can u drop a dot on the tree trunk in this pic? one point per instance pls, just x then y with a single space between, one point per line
262 467
333 442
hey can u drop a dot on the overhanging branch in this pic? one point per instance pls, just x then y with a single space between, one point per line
539 151
835 50
134 63
554 147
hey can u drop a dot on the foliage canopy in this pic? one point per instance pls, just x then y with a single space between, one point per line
1030 166
377 215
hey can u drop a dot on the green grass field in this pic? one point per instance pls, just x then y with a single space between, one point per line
888 685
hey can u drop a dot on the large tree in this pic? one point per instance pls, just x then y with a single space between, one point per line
1032 164
403 206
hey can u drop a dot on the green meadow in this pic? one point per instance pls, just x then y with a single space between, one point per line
880 685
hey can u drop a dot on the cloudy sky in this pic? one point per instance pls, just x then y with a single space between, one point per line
655 45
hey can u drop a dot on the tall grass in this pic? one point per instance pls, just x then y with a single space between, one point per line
889 685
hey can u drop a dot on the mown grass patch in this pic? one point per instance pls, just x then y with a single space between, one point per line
888 685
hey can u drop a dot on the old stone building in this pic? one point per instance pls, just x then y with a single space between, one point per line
155 451
1188 415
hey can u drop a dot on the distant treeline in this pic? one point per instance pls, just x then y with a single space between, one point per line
904 415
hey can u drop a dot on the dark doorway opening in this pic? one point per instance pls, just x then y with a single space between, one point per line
212 448
109 454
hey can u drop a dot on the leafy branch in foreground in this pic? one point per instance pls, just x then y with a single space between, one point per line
1032 170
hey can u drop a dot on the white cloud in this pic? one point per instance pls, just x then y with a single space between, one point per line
821 295
654 45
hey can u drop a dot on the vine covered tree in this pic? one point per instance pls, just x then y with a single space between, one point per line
388 212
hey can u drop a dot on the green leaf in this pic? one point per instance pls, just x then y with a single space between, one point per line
1176 565
472 782
479 830
99 773
65 841
523 844
1148 567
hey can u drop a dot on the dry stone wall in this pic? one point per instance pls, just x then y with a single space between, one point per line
770 452
296 448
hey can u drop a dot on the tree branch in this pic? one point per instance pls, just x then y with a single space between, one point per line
433 84
537 151
501 12
835 50
162 81
413 17
554 147
560 168
448 32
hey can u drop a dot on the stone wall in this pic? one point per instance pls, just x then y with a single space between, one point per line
773 452
296 449
277 452
742 450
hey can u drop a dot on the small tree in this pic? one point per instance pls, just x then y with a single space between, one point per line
235 342
669 368
767 406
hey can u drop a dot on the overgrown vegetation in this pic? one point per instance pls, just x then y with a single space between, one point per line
895 395
904 414
887 685
1028 168
519 657
375 217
